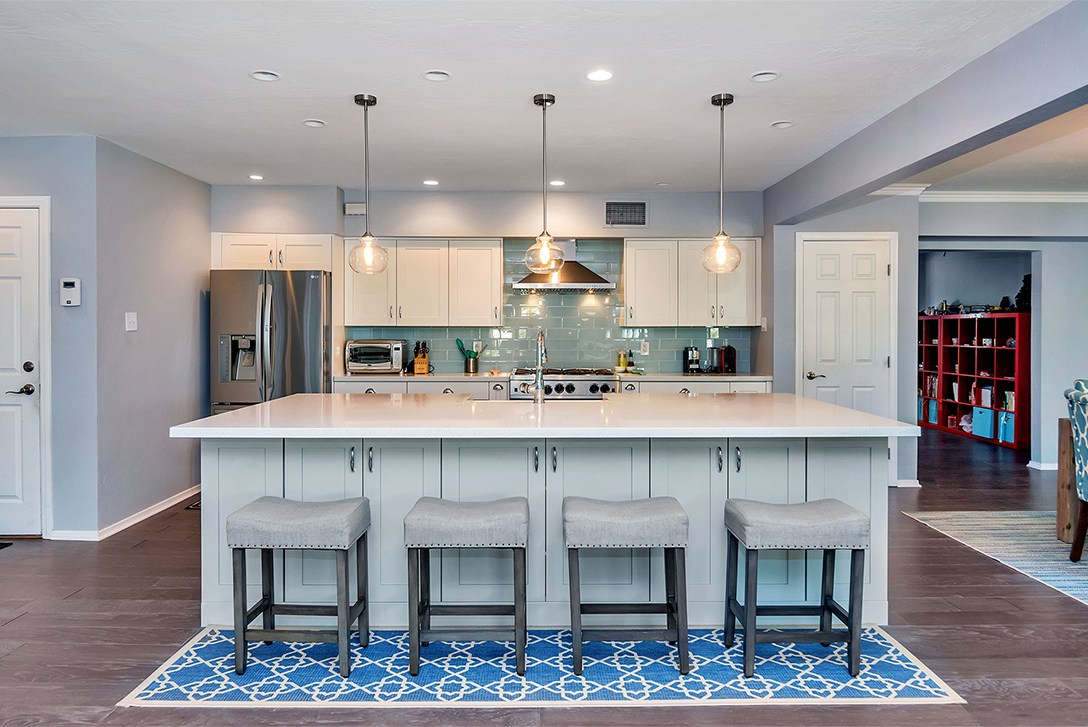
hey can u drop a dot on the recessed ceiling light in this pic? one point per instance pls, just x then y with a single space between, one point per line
781 124
557 183
256 177
431 182
267 76
763 76
313 123
601 75
663 184
436 76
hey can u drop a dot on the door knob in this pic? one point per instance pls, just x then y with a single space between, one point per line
28 366
811 375
27 389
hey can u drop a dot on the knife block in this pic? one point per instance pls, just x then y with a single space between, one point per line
422 365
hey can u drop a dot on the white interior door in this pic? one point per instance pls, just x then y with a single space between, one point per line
846 324
20 444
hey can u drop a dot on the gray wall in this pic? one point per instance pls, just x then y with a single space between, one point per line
871 214
153 229
63 168
275 209
970 278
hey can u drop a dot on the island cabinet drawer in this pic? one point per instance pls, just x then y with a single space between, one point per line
370 387
476 470
749 387
480 390
683 387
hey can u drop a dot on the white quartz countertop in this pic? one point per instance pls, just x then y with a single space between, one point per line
506 375
433 416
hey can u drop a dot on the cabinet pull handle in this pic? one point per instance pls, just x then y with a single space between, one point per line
629 387
400 311
390 312
496 312
721 312
269 257
721 462
555 459
738 459
631 312
447 390
536 459
370 459
497 387
685 390
281 257
713 312
352 459
369 391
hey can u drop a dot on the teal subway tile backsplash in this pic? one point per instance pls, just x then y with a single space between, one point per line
582 328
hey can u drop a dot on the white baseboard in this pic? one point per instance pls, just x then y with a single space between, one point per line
1043 465
93 536
908 483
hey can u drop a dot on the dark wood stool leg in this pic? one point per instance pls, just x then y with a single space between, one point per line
857 581
827 592
681 588
267 589
670 589
362 589
520 630
343 611
575 611
1082 529
731 552
238 556
413 611
425 589
751 576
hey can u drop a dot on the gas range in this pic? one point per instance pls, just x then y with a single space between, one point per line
566 384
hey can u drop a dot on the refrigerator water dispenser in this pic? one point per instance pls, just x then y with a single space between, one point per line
237 360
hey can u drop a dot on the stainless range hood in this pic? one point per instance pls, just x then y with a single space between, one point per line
572 276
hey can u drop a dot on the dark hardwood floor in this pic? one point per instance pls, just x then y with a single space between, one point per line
81 624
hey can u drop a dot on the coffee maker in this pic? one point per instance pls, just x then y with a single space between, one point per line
690 360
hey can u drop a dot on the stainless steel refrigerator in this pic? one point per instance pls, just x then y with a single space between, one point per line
271 335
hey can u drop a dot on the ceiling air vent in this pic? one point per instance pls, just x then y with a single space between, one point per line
625 213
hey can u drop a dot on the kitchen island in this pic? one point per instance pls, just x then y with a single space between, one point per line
699 448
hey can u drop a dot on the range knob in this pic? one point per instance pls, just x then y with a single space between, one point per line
605 388
570 388
547 389
593 388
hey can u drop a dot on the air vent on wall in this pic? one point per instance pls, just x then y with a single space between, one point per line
625 213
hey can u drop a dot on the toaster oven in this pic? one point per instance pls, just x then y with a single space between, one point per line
374 356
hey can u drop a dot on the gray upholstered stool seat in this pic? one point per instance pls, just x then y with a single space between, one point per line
812 525
655 522
826 525
437 523
270 523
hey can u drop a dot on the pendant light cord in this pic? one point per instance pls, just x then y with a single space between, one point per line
366 166
544 154
721 174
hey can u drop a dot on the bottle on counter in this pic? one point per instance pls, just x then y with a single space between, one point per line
621 359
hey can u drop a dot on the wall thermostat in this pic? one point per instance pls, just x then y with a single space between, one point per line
70 292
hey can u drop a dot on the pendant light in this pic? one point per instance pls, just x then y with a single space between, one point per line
721 256
368 257
545 256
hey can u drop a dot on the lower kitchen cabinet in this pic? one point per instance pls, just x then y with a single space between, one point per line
369 387
605 469
477 470
480 390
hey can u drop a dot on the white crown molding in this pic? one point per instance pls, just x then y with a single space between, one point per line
900 190
1014 197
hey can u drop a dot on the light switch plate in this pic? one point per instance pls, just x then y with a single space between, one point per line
644 348
477 346
130 321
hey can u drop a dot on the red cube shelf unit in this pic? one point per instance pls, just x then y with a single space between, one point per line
966 365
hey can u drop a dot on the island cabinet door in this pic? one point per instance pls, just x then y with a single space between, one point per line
318 470
396 473
610 469
771 470
856 472
233 473
477 470
695 473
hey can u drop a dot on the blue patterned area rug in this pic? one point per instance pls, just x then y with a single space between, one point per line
1024 540
482 674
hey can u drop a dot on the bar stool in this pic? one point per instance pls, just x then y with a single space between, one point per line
437 523
656 522
826 525
271 522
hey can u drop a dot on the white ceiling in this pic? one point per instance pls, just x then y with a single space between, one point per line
170 80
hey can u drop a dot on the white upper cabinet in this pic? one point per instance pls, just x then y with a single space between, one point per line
698 289
370 300
423 283
729 299
475 292
271 252
649 283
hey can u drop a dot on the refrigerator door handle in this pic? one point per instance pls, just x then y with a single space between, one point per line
269 381
259 341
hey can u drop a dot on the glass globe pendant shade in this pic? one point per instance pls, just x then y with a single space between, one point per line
368 257
721 256
544 256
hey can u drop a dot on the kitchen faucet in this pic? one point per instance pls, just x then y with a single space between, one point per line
537 386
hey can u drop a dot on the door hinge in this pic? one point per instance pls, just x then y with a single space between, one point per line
889 270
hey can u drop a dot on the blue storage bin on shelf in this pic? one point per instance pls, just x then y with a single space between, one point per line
1006 427
982 423
921 409
932 418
